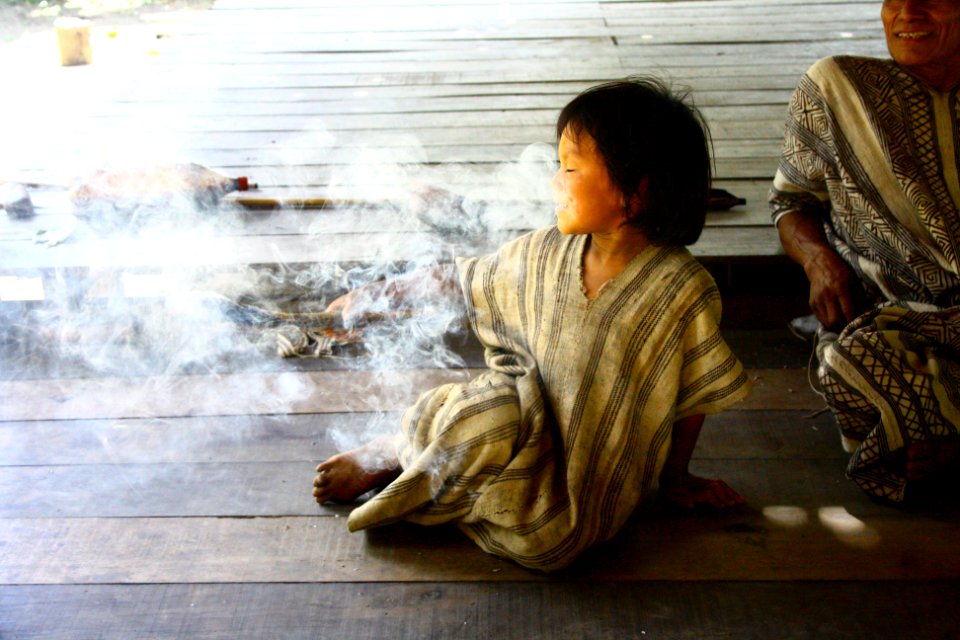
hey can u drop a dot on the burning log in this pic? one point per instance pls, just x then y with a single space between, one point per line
305 334
249 315
294 342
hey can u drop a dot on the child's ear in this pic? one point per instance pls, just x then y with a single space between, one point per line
638 201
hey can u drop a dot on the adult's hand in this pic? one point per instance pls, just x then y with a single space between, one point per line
832 283
832 280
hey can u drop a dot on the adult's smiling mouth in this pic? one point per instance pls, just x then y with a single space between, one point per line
913 35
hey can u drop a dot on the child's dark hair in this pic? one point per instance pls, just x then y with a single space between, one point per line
642 129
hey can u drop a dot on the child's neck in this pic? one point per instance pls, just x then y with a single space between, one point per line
607 255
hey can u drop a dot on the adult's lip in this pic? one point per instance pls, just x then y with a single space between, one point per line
913 35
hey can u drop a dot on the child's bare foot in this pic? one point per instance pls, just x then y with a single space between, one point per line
926 458
347 476
689 491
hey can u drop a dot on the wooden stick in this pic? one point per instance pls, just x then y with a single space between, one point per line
298 202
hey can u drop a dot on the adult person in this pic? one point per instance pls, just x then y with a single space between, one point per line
867 200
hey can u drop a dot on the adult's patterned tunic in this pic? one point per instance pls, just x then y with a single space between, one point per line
874 152
551 448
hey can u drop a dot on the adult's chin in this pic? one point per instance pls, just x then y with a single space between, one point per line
912 53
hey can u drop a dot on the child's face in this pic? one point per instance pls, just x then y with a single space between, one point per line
587 200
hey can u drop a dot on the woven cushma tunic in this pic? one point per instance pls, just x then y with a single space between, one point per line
875 153
550 449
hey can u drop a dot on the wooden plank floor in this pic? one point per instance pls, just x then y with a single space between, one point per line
155 461
359 100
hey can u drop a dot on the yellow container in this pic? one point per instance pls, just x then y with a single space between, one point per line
73 36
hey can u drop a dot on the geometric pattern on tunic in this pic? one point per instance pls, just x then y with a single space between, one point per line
816 158
893 375
903 111
891 380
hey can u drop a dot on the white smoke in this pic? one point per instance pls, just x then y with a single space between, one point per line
169 318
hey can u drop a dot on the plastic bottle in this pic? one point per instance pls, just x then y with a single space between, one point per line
151 186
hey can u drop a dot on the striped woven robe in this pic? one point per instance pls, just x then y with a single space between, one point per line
550 449
874 152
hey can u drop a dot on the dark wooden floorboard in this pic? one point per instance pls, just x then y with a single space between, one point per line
295 392
267 489
562 610
305 437
789 543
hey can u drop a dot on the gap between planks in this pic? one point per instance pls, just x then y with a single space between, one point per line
292 392
555 609
789 486
745 435
740 546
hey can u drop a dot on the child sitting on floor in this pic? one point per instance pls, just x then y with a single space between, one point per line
603 352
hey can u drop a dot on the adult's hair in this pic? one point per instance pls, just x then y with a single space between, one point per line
643 129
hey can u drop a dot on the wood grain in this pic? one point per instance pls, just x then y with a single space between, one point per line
178 506
746 547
